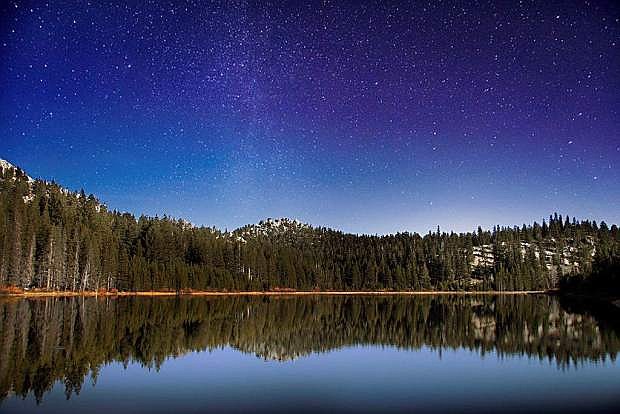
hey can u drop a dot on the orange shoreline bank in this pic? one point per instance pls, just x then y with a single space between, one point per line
271 293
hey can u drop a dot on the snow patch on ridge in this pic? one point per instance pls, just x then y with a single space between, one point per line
5 165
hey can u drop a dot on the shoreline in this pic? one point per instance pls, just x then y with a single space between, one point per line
43 294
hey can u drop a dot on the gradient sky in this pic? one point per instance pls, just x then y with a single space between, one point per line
369 117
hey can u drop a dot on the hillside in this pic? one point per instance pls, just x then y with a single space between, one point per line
55 239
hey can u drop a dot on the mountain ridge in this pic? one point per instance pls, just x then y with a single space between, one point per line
53 238
263 226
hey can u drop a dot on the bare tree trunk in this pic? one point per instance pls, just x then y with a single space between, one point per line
86 275
63 263
3 260
29 264
50 261
76 265
16 254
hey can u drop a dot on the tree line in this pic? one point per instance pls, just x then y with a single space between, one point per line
54 239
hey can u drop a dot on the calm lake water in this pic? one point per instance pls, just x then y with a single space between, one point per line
308 354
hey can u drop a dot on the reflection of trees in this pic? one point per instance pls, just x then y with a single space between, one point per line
69 338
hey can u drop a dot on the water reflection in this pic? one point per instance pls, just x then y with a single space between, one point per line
69 339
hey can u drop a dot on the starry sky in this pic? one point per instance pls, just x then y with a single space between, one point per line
370 117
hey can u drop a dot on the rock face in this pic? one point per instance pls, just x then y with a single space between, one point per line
566 253
277 228
6 165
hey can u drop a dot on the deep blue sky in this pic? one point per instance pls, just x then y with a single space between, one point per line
365 116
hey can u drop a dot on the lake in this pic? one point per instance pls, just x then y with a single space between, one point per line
308 354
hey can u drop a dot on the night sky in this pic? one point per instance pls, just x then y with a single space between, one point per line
370 117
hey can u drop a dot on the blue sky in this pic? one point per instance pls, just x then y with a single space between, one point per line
370 118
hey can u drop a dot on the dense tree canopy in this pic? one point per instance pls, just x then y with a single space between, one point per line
54 239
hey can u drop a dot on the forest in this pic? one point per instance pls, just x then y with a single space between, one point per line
69 339
57 240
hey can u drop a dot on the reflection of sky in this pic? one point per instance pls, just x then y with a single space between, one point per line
362 378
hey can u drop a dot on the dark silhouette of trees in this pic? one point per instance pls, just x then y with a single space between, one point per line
54 239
